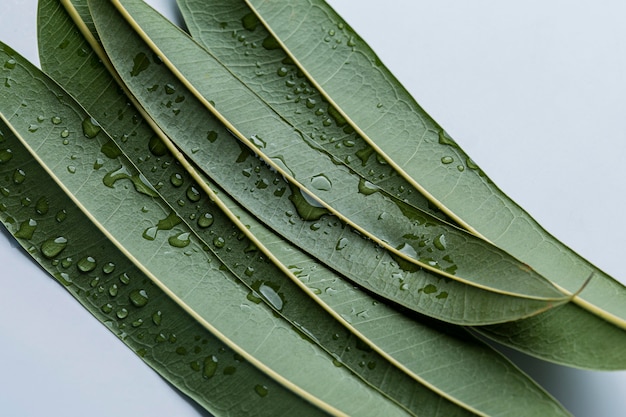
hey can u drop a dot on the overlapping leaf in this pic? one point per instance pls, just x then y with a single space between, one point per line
247 244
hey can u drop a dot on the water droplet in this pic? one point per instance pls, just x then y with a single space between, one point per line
27 229
86 264
33 128
61 216
113 290
219 242
205 220
42 206
150 233
249 271
307 207
404 286
140 64
64 134
124 278
258 142
271 295
52 247
321 182
91 128
157 147
5 155
71 169
169 89
210 367
366 187
193 194
429 289
176 180
56 120
341 244
261 390
211 136
139 298
19 176
250 21
447 160
106 308
10 63
180 241
440 242
157 317
122 313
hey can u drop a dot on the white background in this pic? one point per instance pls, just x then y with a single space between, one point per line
534 91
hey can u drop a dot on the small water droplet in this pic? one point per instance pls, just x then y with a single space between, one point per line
139 298
210 367
61 216
205 220
157 318
19 176
86 264
440 242
122 313
176 180
447 160
271 295
261 390
341 244
219 242
91 128
53 247
157 147
193 194
56 120
6 155
106 308
113 290
10 63
366 187
71 169
169 89
211 136
124 278
64 134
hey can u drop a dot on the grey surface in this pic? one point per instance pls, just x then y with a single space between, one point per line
534 91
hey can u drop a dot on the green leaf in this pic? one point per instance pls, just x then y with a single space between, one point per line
388 103
116 197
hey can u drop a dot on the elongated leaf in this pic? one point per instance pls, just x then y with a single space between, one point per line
410 234
176 262
407 138
264 279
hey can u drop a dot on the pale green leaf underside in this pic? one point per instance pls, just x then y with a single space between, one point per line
390 119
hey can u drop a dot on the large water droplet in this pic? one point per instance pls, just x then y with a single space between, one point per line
366 187
321 182
180 241
157 147
52 247
193 194
342 243
27 229
91 128
271 295
440 242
